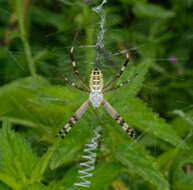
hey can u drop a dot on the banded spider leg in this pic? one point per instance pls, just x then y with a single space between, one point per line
96 91
78 114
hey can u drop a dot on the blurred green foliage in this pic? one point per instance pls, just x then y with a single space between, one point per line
35 40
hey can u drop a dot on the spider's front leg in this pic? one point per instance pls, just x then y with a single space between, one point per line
76 70
78 114
118 119
117 76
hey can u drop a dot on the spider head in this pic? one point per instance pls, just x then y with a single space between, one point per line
96 71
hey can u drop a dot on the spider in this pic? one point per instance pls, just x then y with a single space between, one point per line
96 91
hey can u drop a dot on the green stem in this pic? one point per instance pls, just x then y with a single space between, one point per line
24 38
88 16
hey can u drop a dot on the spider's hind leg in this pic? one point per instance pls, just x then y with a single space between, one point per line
119 119
78 114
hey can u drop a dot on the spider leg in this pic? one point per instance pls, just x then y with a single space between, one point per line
75 68
78 114
117 76
118 86
118 119
74 84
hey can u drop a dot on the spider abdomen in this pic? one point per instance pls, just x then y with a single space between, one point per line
96 99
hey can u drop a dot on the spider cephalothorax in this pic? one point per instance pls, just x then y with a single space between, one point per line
96 89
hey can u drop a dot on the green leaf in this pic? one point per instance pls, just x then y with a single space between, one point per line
36 186
43 106
184 182
4 187
185 120
16 158
152 11
137 83
34 103
19 165
25 83
39 169
180 160
135 158
165 161
137 77
172 163
10 181
136 113
104 174
70 147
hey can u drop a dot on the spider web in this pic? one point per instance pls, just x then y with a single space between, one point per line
109 58
107 51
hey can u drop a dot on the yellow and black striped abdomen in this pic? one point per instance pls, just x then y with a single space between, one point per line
96 80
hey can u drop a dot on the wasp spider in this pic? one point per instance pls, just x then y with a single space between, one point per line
96 89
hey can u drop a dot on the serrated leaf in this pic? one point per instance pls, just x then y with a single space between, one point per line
16 158
35 103
19 166
70 147
137 83
136 159
136 113
45 113
39 169
137 77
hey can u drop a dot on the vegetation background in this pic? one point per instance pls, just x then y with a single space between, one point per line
35 102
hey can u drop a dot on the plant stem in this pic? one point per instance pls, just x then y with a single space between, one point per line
23 34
